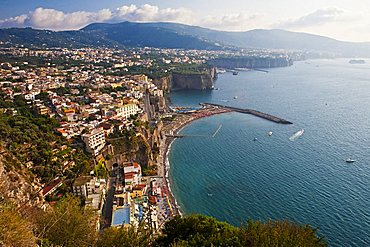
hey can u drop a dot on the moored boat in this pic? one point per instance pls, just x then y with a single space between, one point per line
349 160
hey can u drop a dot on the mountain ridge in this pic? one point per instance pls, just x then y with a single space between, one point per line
181 36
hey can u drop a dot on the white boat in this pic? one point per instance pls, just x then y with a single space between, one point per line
296 135
349 160
220 71
270 133
235 97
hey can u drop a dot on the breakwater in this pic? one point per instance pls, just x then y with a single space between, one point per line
252 112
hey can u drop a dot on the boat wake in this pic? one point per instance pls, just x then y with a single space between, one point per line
296 135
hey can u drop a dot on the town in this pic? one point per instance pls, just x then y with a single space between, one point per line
113 105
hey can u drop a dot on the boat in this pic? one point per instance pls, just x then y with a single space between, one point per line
296 135
235 72
255 139
220 71
235 97
356 61
349 160
270 133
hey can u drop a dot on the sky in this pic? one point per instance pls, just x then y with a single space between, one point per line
347 20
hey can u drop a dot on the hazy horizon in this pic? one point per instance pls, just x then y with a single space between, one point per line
342 20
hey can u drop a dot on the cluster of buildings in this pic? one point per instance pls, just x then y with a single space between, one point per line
129 192
89 92
138 199
88 101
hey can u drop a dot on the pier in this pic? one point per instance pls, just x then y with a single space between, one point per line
250 111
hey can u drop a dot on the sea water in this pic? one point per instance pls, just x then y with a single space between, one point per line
234 177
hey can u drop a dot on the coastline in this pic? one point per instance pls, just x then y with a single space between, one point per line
169 133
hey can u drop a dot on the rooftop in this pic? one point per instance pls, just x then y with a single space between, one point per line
82 180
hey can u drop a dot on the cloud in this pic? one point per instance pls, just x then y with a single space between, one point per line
42 18
57 20
318 18
17 21
148 13
232 22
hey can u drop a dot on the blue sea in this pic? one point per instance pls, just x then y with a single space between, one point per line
234 178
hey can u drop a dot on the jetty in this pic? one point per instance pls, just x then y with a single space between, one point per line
261 70
249 111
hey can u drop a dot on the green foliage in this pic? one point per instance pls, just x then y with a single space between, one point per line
197 230
191 69
101 170
15 230
63 90
125 237
44 96
150 171
32 138
67 224
279 233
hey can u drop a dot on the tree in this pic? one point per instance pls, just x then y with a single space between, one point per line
198 230
125 237
15 230
279 233
68 224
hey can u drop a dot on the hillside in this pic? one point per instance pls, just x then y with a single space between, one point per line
33 154
173 35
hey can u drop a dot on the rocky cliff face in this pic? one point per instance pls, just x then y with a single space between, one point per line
17 185
197 81
193 81
142 148
164 83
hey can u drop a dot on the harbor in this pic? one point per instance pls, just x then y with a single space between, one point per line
249 111
171 132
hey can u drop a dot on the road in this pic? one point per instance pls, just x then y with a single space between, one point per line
108 206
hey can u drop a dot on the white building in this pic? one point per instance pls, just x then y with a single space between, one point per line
92 189
127 110
95 141
132 174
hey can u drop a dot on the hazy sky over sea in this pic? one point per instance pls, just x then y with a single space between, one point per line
340 19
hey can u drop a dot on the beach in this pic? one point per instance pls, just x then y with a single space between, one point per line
169 134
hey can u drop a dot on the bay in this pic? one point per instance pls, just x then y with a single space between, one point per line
233 178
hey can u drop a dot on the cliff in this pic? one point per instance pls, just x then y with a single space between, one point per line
251 62
164 83
202 80
17 185
140 145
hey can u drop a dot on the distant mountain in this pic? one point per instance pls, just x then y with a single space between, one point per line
271 39
173 35
120 35
146 34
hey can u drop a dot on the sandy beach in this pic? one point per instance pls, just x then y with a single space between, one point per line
169 207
